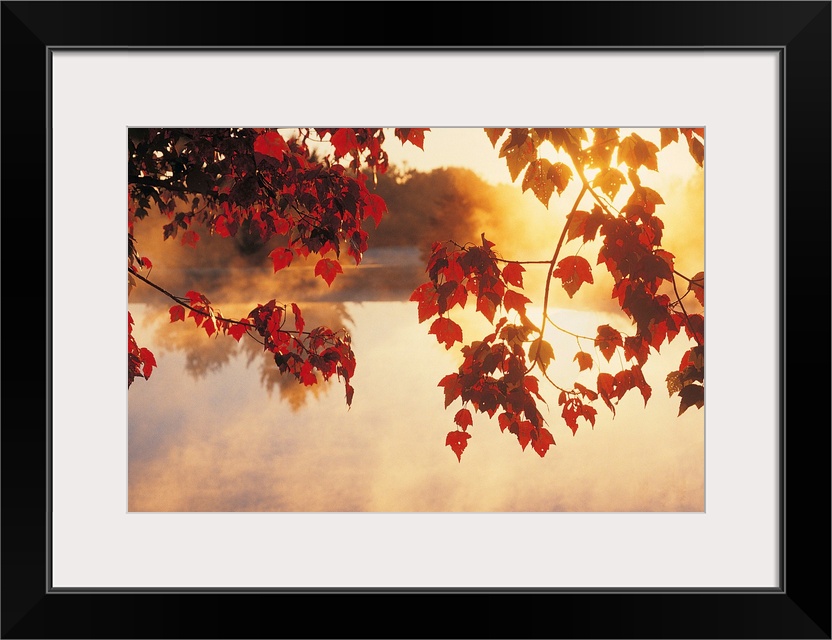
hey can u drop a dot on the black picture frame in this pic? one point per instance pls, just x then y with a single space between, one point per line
799 608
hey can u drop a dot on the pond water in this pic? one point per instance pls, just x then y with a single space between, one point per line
217 429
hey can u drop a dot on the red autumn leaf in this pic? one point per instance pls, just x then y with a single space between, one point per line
177 312
271 144
609 181
584 360
190 238
640 383
518 150
669 135
146 263
224 227
697 285
282 258
523 430
636 347
447 331
692 394
237 331
695 327
148 361
543 441
560 175
299 323
452 386
328 269
570 413
209 326
493 134
427 297
486 305
513 274
541 352
457 440
307 375
414 136
463 419
344 141
514 300
573 272
376 207
537 179
532 385
606 389
607 341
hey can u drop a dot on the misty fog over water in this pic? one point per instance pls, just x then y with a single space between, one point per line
217 428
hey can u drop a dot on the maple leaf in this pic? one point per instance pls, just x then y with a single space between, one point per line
414 136
537 179
635 151
697 151
695 327
493 135
523 430
514 300
307 375
148 361
541 352
177 312
225 227
573 272
457 441
560 175
299 323
328 269
190 238
376 207
452 386
486 304
640 383
463 419
447 331
668 135
609 181
606 389
584 360
344 141
697 285
636 347
570 413
692 394
542 441
281 258
517 155
238 330
271 143
608 339
513 274
427 297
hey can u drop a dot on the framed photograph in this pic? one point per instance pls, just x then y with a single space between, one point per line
416 322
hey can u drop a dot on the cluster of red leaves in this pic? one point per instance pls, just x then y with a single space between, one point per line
494 375
275 191
140 361
364 146
494 372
